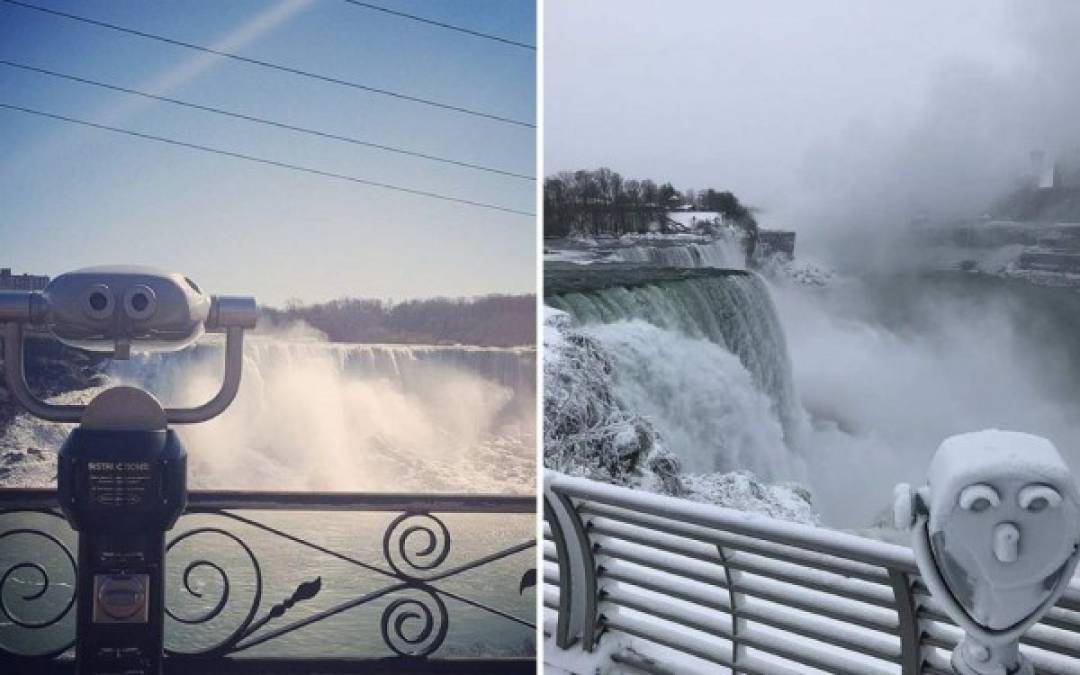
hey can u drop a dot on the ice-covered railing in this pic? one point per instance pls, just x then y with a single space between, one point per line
703 586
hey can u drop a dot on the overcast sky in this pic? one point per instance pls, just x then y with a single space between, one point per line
74 196
802 108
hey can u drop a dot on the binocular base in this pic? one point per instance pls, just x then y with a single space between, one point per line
120 591
973 658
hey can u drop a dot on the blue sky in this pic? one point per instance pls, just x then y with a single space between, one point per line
74 196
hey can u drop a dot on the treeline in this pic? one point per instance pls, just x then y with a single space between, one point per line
489 321
602 202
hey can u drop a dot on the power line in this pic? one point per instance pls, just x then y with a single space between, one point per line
270 162
440 24
275 66
261 120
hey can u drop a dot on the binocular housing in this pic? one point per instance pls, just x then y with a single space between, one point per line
113 308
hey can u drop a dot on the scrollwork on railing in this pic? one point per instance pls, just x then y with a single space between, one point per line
216 591
421 541
222 575
415 625
38 575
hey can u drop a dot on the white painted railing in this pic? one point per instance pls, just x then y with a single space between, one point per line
748 592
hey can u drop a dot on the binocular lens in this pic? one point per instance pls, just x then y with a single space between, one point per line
98 301
139 302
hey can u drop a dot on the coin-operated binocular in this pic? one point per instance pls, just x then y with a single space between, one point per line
121 474
996 534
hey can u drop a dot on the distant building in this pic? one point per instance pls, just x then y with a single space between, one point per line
21 282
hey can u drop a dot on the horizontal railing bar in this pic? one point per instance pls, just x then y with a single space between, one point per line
1071 599
871 644
639 604
879 647
747 665
551 597
824 605
839 585
713 578
818 539
769 641
221 500
748 562
669 587
802 557
551 577
857 612
1062 618
672 639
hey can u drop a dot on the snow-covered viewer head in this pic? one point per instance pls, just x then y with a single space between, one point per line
996 537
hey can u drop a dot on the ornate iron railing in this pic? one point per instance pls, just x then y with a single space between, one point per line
724 588
412 569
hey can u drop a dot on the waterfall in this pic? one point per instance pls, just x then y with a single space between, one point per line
723 253
735 312
700 398
312 415
410 367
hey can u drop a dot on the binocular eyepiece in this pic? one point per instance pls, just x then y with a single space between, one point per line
112 309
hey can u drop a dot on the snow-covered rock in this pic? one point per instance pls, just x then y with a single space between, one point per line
784 270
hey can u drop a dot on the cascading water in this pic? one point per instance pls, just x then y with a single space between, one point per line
699 397
726 253
319 416
734 312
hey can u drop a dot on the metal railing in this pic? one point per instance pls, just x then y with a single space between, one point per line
747 592
252 570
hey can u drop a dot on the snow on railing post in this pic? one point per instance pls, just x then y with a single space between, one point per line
738 623
996 534
580 570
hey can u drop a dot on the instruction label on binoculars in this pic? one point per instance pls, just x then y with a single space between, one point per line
118 483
